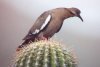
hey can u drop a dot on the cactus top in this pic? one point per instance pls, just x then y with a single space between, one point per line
44 54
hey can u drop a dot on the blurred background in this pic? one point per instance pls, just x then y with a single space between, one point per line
17 17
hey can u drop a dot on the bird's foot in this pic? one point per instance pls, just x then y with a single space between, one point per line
41 38
44 38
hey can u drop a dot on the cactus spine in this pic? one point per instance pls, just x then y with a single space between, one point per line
44 54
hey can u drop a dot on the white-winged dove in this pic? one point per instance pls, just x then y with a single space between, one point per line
49 23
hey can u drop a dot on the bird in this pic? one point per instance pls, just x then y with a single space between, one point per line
49 23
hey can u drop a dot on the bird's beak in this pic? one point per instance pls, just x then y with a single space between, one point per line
80 17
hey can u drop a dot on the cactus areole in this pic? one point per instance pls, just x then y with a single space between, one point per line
44 54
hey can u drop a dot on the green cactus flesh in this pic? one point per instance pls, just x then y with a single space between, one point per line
44 54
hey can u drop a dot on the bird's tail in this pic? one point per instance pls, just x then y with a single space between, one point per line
25 43
28 39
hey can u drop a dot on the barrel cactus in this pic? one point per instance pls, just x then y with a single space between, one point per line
44 54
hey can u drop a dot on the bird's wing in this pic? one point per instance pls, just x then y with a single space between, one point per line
39 25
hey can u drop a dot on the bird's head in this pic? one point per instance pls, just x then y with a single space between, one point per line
76 12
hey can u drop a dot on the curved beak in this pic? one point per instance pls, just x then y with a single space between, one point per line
80 17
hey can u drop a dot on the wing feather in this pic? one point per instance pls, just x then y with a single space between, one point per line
42 21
